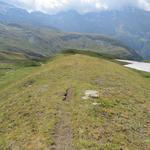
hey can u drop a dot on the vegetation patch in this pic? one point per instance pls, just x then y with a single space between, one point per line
33 114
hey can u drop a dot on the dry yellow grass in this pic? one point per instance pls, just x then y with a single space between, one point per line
33 114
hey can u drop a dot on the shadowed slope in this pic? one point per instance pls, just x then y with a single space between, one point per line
35 42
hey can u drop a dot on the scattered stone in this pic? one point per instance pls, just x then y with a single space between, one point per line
68 94
95 104
91 94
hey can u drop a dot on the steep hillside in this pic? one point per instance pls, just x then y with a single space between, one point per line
130 25
35 42
35 114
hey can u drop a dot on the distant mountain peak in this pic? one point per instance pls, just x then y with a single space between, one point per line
4 7
130 25
70 12
2 3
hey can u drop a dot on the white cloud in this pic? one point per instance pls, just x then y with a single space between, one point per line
144 4
52 6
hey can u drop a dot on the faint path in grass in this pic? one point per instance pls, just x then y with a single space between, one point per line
63 137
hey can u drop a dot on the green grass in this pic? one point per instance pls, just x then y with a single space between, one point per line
147 60
14 66
31 105
88 53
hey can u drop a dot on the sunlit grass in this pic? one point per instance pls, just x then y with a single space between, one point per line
32 100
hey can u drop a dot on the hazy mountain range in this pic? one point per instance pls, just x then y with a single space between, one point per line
35 42
130 25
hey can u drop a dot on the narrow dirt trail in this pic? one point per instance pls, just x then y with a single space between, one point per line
63 132
63 135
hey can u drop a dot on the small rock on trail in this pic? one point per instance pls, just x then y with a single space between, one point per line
91 94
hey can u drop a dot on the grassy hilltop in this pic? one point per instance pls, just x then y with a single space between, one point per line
34 115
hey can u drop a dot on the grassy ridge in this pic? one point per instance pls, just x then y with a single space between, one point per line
33 113
88 53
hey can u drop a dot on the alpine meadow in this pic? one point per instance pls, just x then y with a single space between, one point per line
74 75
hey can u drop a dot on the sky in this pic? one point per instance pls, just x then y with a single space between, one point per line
82 6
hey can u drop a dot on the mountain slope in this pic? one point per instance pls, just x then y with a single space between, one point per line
34 115
130 25
35 42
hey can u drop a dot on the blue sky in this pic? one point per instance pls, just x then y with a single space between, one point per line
52 6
